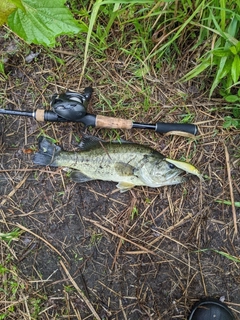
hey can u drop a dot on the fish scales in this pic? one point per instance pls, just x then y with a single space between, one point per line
129 164
101 161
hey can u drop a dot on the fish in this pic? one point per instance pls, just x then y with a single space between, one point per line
129 164
188 167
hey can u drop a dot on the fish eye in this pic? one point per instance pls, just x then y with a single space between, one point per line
171 166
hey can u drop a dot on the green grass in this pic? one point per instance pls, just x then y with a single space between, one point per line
10 236
224 55
222 253
151 33
208 28
13 286
233 120
229 203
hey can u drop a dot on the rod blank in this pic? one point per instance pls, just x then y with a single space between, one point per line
17 113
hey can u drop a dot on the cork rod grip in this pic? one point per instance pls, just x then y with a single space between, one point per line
39 115
114 123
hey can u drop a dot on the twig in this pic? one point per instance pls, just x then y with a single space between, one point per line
85 299
119 236
15 189
39 237
135 244
231 191
201 274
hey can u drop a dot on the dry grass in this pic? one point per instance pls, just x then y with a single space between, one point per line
89 252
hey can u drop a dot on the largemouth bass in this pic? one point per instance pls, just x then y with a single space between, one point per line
129 164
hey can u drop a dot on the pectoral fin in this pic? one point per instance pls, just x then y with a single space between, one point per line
124 169
124 186
79 177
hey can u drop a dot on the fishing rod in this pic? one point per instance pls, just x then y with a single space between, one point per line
72 107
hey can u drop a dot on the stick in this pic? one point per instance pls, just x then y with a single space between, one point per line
85 299
121 237
231 191
39 237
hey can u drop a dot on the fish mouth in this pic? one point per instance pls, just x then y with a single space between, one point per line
175 178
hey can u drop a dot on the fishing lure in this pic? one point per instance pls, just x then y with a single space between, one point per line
188 167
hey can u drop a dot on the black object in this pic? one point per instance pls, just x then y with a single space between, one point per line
1 132
211 309
71 107
163 127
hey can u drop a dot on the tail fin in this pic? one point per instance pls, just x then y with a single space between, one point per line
47 153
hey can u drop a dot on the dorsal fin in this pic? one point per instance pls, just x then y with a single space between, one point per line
90 142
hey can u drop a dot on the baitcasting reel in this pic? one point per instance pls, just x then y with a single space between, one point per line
71 105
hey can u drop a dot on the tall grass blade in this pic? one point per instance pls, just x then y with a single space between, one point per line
196 71
228 256
237 204
177 34
92 21
223 14
235 70
222 253
218 75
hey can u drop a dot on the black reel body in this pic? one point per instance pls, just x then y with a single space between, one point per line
71 105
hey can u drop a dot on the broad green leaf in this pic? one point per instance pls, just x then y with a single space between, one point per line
226 69
18 4
231 98
229 83
221 52
229 122
236 113
43 21
238 46
235 70
6 8
233 49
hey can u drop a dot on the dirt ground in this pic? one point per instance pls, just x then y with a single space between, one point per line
86 250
